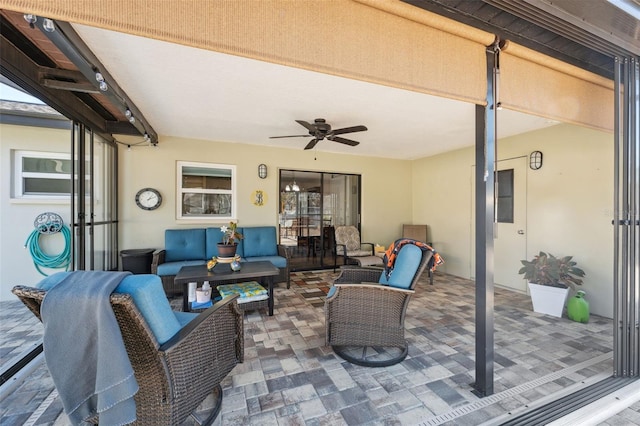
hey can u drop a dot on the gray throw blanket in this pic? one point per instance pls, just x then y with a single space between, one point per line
84 350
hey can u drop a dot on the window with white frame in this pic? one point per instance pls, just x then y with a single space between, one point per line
206 191
42 174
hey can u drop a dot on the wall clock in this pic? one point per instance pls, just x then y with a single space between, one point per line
148 199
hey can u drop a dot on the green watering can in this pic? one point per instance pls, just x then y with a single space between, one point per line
578 308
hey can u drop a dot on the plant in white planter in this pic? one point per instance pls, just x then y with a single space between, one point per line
549 280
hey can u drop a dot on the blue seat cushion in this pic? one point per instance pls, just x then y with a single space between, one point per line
277 261
184 244
184 318
405 267
332 290
172 268
148 296
260 241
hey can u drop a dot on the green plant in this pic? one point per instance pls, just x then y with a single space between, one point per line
546 269
230 233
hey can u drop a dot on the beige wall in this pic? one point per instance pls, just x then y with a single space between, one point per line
386 186
568 203
17 216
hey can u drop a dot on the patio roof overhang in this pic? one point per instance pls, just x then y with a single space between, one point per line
57 67
586 39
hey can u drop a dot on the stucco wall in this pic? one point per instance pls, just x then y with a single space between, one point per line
17 216
386 186
568 203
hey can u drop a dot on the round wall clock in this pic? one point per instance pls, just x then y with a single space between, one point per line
148 199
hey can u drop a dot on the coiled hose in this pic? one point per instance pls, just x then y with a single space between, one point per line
41 259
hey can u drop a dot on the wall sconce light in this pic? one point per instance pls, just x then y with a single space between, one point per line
535 160
262 171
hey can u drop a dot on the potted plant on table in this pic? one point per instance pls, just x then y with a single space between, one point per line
549 279
227 248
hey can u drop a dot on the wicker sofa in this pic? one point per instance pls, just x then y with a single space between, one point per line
195 246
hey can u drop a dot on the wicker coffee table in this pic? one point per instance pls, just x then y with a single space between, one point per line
262 272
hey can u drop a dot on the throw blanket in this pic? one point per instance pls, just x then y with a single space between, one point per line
84 350
392 253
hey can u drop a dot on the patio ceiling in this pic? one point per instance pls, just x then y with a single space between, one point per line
186 92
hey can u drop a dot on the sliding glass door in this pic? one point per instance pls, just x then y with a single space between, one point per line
94 208
311 205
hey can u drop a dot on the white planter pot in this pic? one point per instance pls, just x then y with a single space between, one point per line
548 300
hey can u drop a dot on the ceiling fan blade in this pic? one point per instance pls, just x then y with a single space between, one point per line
349 130
312 143
291 136
309 126
343 140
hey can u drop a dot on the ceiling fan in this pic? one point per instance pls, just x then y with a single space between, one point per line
320 130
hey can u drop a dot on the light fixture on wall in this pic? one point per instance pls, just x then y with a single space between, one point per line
262 171
535 160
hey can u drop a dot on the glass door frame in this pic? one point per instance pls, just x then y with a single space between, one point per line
292 181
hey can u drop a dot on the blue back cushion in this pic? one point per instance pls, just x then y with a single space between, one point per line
260 241
184 244
405 268
213 236
149 297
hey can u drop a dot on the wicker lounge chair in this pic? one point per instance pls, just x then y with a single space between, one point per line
175 377
364 318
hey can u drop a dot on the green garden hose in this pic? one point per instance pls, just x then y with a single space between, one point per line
46 226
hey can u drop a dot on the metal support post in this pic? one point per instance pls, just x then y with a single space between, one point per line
485 213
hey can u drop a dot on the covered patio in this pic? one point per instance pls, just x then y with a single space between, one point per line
290 377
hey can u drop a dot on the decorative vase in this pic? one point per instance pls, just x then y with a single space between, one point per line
227 250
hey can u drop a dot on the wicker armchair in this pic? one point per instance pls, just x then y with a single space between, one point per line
364 319
349 246
175 377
